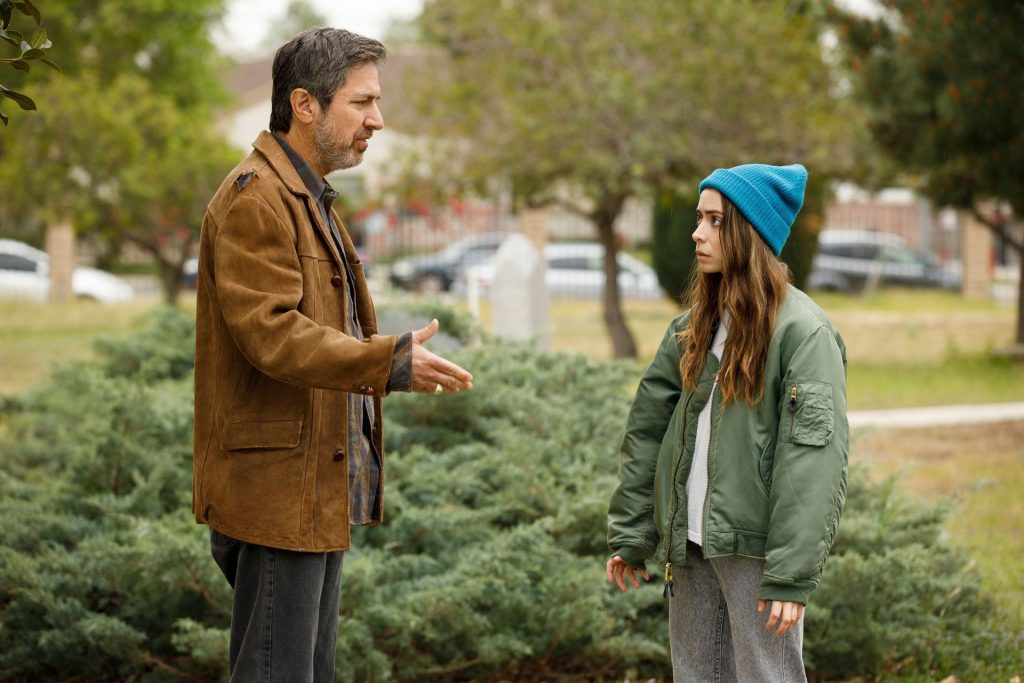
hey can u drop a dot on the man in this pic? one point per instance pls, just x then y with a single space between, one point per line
290 370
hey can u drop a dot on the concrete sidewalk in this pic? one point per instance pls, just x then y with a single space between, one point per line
937 415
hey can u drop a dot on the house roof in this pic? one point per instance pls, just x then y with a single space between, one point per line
250 82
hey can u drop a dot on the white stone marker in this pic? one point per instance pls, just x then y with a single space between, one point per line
519 295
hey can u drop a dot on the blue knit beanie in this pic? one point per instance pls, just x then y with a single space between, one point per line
769 197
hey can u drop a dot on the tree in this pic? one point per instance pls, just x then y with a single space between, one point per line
136 169
34 48
128 135
944 82
297 17
586 105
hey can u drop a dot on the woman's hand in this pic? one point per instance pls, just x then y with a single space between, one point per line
617 567
786 614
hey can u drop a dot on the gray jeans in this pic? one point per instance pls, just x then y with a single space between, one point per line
717 634
284 614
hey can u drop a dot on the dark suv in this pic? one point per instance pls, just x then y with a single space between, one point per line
437 272
848 259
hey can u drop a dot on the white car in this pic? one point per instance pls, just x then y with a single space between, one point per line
576 270
25 274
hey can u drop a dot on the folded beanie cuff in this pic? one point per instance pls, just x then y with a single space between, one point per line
752 204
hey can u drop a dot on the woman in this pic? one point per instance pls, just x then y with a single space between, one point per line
733 464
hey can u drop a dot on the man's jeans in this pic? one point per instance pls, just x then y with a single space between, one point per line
716 632
284 616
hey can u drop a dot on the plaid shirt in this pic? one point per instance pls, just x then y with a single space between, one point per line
364 460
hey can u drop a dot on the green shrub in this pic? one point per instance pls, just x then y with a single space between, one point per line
489 566
673 254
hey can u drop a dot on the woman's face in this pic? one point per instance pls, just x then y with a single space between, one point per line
709 232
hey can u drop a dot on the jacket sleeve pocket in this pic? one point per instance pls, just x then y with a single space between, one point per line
266 434
809 413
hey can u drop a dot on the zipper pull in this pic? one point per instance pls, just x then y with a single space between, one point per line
792 399
668 582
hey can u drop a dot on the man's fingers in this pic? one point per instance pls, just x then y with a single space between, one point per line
619 570
760 605
423 334
631 574
643 573
608 569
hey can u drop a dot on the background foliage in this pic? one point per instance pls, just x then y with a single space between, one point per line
489 566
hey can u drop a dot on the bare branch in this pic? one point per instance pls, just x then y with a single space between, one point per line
999 229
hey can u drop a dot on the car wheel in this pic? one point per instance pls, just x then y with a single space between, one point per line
430 284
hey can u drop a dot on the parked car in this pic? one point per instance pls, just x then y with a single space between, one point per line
25 274
848 259
576 270
190 273
437 272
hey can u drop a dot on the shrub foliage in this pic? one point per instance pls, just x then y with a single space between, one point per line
489 566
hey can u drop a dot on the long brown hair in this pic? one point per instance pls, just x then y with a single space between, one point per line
750 289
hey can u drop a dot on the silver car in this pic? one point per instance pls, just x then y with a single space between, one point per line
25 274
576 270
847 260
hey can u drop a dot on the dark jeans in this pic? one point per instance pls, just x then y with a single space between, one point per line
284 616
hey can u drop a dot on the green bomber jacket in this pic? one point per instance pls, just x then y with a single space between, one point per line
776 471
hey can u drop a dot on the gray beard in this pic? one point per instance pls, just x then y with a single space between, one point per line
331 154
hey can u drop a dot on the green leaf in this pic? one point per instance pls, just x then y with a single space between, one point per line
19 64
5 14
24 101
3 117
38 38
11 36
28 9
50 63
33 54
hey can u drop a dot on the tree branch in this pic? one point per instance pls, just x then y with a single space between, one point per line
999 229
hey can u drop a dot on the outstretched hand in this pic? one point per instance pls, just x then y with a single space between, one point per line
786 614
617 569
430 370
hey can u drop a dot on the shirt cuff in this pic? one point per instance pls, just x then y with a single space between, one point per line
401 367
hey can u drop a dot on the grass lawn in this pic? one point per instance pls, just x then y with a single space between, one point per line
905 348
35 337
981 468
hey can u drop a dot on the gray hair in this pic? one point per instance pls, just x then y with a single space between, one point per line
318 60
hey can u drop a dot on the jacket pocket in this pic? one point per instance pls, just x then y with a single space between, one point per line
265 434
809 413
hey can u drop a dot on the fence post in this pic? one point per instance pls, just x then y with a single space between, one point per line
60 245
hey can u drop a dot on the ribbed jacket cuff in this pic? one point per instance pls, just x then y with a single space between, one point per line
634 557
785 591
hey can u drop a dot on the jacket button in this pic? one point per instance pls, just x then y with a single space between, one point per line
336 281
369 390
339 456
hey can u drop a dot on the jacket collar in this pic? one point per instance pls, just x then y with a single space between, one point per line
275 155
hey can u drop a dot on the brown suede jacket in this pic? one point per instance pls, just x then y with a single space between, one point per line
273 365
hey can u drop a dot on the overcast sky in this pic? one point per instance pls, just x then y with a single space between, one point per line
247 21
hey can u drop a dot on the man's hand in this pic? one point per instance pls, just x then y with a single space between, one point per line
617 567
787 614
430 370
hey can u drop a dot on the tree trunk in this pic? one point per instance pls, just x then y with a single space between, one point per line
1020 298
623 345
170 281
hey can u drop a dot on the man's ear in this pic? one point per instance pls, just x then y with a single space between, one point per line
305 107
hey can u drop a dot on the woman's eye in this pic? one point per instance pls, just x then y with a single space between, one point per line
717 222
